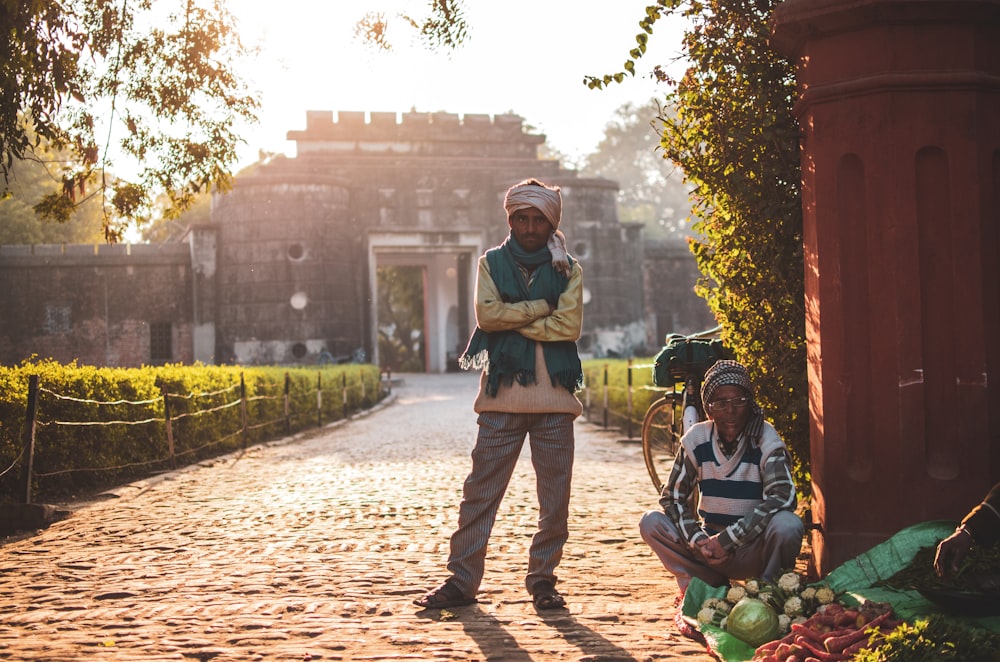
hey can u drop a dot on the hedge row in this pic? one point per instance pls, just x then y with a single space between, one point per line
98 427
609 380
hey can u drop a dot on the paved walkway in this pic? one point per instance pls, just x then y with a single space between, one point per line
313 548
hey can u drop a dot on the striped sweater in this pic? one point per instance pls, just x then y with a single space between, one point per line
736 496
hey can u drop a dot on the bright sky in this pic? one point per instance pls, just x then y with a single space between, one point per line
523 56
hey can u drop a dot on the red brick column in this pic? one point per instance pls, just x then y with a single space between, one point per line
900 113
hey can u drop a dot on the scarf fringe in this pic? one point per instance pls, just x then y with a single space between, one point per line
476 361
570 380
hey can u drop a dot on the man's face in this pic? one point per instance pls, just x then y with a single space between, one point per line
732 411
530 229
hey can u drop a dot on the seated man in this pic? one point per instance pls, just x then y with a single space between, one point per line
737 469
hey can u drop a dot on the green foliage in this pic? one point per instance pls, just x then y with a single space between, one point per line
158 81
442 26
736 140
932 639
31 181
123 435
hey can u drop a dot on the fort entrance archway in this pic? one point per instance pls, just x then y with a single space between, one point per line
444 259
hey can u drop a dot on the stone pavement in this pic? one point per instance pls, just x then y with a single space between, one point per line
314 547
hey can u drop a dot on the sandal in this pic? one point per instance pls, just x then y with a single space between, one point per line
445 595
545 596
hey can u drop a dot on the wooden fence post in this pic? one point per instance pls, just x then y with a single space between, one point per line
346 414
605 396
629 400
30 423
288 416
169 426
319 400
243 410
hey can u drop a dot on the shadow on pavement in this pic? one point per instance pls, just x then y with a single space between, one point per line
590 643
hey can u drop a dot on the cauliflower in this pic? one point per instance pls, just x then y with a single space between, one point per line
793 606
784 623
706 615
825 595
752 587
799 619
789 582
735 594
808 593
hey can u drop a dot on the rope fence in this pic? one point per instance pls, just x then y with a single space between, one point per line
618 407
194 405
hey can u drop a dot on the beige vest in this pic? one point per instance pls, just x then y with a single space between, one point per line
539 398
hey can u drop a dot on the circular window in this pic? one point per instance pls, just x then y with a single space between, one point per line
298 350
299 300
581 249
296 251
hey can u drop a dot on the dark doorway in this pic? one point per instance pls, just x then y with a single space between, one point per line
401 318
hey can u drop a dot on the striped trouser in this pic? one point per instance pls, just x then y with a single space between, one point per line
498 445
766 557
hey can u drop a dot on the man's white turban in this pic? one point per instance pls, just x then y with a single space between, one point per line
548 200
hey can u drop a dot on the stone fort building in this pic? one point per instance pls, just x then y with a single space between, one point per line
285 272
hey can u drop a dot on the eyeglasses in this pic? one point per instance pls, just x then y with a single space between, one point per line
722 405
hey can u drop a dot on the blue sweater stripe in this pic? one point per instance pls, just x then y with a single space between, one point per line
732 489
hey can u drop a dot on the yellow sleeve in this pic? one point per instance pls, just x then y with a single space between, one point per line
493 314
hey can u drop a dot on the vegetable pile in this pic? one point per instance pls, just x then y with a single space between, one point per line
832 633
789 599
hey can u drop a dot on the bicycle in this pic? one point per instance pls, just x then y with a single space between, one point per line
683 360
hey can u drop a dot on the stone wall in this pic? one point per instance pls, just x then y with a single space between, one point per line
669 274
100 305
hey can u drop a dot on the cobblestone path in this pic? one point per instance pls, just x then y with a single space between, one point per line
313 548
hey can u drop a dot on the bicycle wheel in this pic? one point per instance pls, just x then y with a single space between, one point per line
661 433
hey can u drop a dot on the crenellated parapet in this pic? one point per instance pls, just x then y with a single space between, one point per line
415 133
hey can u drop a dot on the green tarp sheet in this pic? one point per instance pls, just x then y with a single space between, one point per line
856 579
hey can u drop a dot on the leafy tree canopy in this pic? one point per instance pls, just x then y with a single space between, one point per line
98 78
652 191
30 182
444 25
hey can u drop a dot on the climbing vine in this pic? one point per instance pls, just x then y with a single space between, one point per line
735 137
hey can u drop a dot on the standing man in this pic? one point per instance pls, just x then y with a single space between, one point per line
529 312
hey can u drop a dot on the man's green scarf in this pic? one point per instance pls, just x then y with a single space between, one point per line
507 355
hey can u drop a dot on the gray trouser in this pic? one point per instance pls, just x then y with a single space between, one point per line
766 557
498 445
